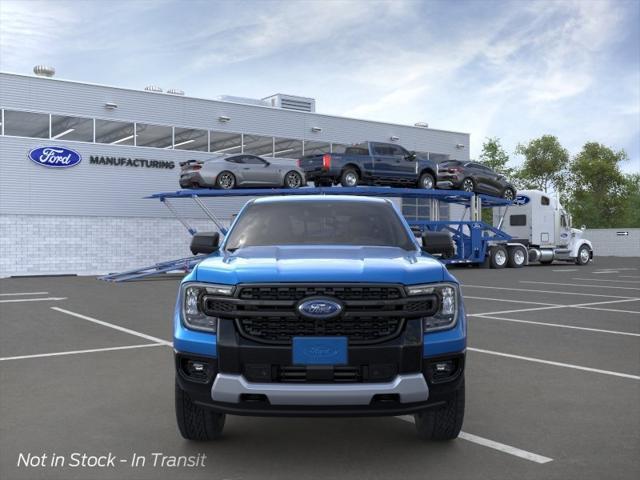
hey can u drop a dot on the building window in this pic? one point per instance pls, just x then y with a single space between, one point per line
287 148
115 133
419 209
338 147
316 148
258 145
71 128
26 124
225 143
157 136
191 139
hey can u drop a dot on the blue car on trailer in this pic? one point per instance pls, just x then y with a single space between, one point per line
318 305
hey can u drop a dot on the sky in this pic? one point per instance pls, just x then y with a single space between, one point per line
509 69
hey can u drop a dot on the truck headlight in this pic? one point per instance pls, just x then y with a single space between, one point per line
192 314
448 300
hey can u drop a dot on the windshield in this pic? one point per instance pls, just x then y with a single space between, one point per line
321 222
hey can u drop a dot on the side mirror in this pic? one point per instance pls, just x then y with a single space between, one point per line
205 242
411 156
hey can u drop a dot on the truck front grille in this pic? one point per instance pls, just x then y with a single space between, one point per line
372 313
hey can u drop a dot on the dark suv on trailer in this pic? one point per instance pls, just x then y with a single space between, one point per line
474 177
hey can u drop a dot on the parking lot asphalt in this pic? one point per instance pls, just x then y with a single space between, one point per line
553 387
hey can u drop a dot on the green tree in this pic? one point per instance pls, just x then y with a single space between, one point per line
495 157
631 211
598 191
545 164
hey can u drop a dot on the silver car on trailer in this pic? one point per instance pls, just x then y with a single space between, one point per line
243 170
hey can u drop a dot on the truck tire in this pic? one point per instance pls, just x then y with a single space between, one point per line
426 182
499 257
349 178
584 255
517 257
196 422
442 423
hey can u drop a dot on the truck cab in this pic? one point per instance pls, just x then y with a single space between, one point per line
538 221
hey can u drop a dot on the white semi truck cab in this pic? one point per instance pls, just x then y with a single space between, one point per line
541 225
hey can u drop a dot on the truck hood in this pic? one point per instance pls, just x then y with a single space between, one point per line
320 264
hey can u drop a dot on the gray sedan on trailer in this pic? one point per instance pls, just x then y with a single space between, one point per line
242 170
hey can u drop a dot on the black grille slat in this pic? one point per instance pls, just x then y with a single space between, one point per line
339 292
282 330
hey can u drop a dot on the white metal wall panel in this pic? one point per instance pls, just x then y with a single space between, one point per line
73 98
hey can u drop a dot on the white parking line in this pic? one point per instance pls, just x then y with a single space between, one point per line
23 293
528 290
502 447
19 300
555 364
606 280
580 285
605 272
115 327
629 276
567 270
76 352
588 306
558 325
510 301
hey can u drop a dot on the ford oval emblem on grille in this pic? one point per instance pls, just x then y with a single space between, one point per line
319 308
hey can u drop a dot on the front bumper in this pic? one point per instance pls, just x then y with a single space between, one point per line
396 376
231 389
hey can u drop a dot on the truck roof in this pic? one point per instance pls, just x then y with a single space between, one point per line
311 198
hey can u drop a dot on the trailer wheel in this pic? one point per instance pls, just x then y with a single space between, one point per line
499 257
517 257
584 255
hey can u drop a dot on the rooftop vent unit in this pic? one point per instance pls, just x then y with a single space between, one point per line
421 125
245 100
175 91
44 71
153 88
292 102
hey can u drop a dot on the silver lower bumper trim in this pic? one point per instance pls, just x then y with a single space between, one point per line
410 388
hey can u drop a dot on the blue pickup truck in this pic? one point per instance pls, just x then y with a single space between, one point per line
318 306
371 163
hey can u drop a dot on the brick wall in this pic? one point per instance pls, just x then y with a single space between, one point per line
43 245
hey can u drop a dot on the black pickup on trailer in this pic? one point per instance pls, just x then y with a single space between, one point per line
371 163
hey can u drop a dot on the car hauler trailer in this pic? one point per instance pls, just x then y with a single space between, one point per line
468 241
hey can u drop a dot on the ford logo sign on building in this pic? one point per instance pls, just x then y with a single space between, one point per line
320 308
55 157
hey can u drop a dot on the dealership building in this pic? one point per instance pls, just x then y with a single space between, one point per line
91 217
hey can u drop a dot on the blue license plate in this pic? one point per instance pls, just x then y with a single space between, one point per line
320 350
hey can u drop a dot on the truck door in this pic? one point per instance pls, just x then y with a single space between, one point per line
391 163
565 230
